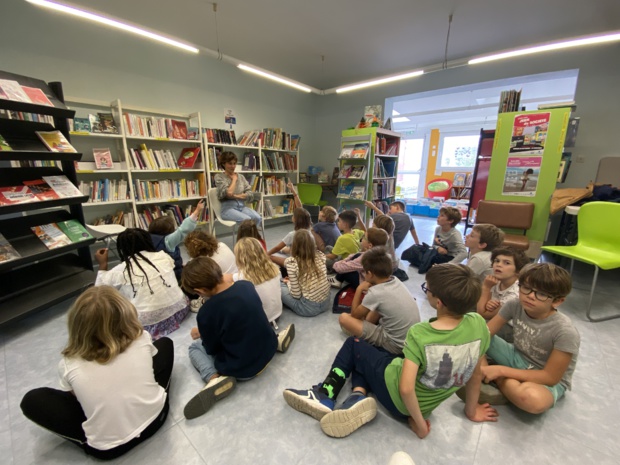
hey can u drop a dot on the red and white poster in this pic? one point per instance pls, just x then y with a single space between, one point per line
529 134
522 175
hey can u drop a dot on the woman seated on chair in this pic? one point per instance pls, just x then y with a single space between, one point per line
234 191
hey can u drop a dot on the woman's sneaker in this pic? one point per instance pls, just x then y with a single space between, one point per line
309 401
216 389
285 337
354 412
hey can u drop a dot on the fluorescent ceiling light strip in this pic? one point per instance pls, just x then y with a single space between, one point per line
545 48
274 78
113 23
376 82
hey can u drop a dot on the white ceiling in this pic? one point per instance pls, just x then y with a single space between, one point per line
361 39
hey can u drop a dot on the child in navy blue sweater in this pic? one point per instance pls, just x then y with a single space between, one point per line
233 340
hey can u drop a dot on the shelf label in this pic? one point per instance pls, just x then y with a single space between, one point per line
161 138
85 171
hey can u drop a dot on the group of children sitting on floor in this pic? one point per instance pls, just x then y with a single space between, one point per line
120 378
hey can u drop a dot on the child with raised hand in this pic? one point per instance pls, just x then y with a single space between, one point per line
402 221
145 277
388 309
113 379
203 244
233 339
254 266
351 269
306 289
301 221
167 237
248 228
481 242
440 356
535 371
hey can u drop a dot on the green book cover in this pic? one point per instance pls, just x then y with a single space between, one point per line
4 145
74 230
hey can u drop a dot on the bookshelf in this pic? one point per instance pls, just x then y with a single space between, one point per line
145 180
368 167
40 277
265 168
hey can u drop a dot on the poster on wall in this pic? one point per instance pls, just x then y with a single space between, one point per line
521 178
229 116
529 134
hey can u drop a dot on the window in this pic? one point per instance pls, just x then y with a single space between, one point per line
458 151
409 167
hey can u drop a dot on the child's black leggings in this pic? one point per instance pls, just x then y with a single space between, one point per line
61 413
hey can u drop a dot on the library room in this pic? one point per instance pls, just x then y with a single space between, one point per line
223 189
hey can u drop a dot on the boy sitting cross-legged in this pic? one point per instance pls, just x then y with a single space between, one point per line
535 371
349 242
440 356
388 309
481 242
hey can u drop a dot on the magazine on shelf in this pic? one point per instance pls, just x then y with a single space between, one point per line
62 186
103 159
345 189
188 157
107 125
51 235
37 96
55 141
4 145
177 129
81 125
360 150
459 179
11 90
193 133
16 194
41 189
7 252
358 172
346 151
358 193
74 230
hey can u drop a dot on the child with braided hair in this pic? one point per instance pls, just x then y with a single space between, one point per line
145 277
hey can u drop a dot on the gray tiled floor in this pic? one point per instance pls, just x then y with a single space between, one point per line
255 426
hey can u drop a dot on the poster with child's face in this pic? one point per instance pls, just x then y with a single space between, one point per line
521 178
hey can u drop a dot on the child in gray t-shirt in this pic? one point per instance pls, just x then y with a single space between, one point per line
535 371
387 311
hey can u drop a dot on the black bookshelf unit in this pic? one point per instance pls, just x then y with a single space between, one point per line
40 277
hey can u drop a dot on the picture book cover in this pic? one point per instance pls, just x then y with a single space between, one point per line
358 172
178 129
358 192
13 91
74 230
345 189
459 179
360 150
81 125
16 194
103 159
345 172
295 140
51 235
55 141
95 124
346 151
7 252
37 96
4 145
193 133
41 189
107 125
62 186
188 157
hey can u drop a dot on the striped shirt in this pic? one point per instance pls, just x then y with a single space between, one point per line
314 289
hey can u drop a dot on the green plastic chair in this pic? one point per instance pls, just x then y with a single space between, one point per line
598 224
310 194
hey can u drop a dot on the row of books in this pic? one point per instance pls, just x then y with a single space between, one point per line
164 189
47 188
509 100
254 180
158 127
274 138
12 90
101 123
279 162
149 159
385 146
120 217
351 190
105 190
462 180
25 116
286 208
146 217
353 172
275 185
220 136
32 163
384 168
355 151
383 189
250 161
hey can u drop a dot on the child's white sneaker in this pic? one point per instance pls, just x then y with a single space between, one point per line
194 305
333 282
285 337
214 390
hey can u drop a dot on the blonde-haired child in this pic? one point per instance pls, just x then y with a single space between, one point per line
113 379
301 221
306 289
248 228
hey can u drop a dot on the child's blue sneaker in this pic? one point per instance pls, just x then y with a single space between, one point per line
309 401
354 412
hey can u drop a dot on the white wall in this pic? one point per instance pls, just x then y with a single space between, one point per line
99 63
597 97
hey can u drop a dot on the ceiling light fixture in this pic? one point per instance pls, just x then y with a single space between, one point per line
376 82
273 77
110 22
590 40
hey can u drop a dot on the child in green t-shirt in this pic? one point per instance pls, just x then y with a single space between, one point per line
349 242
441 356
